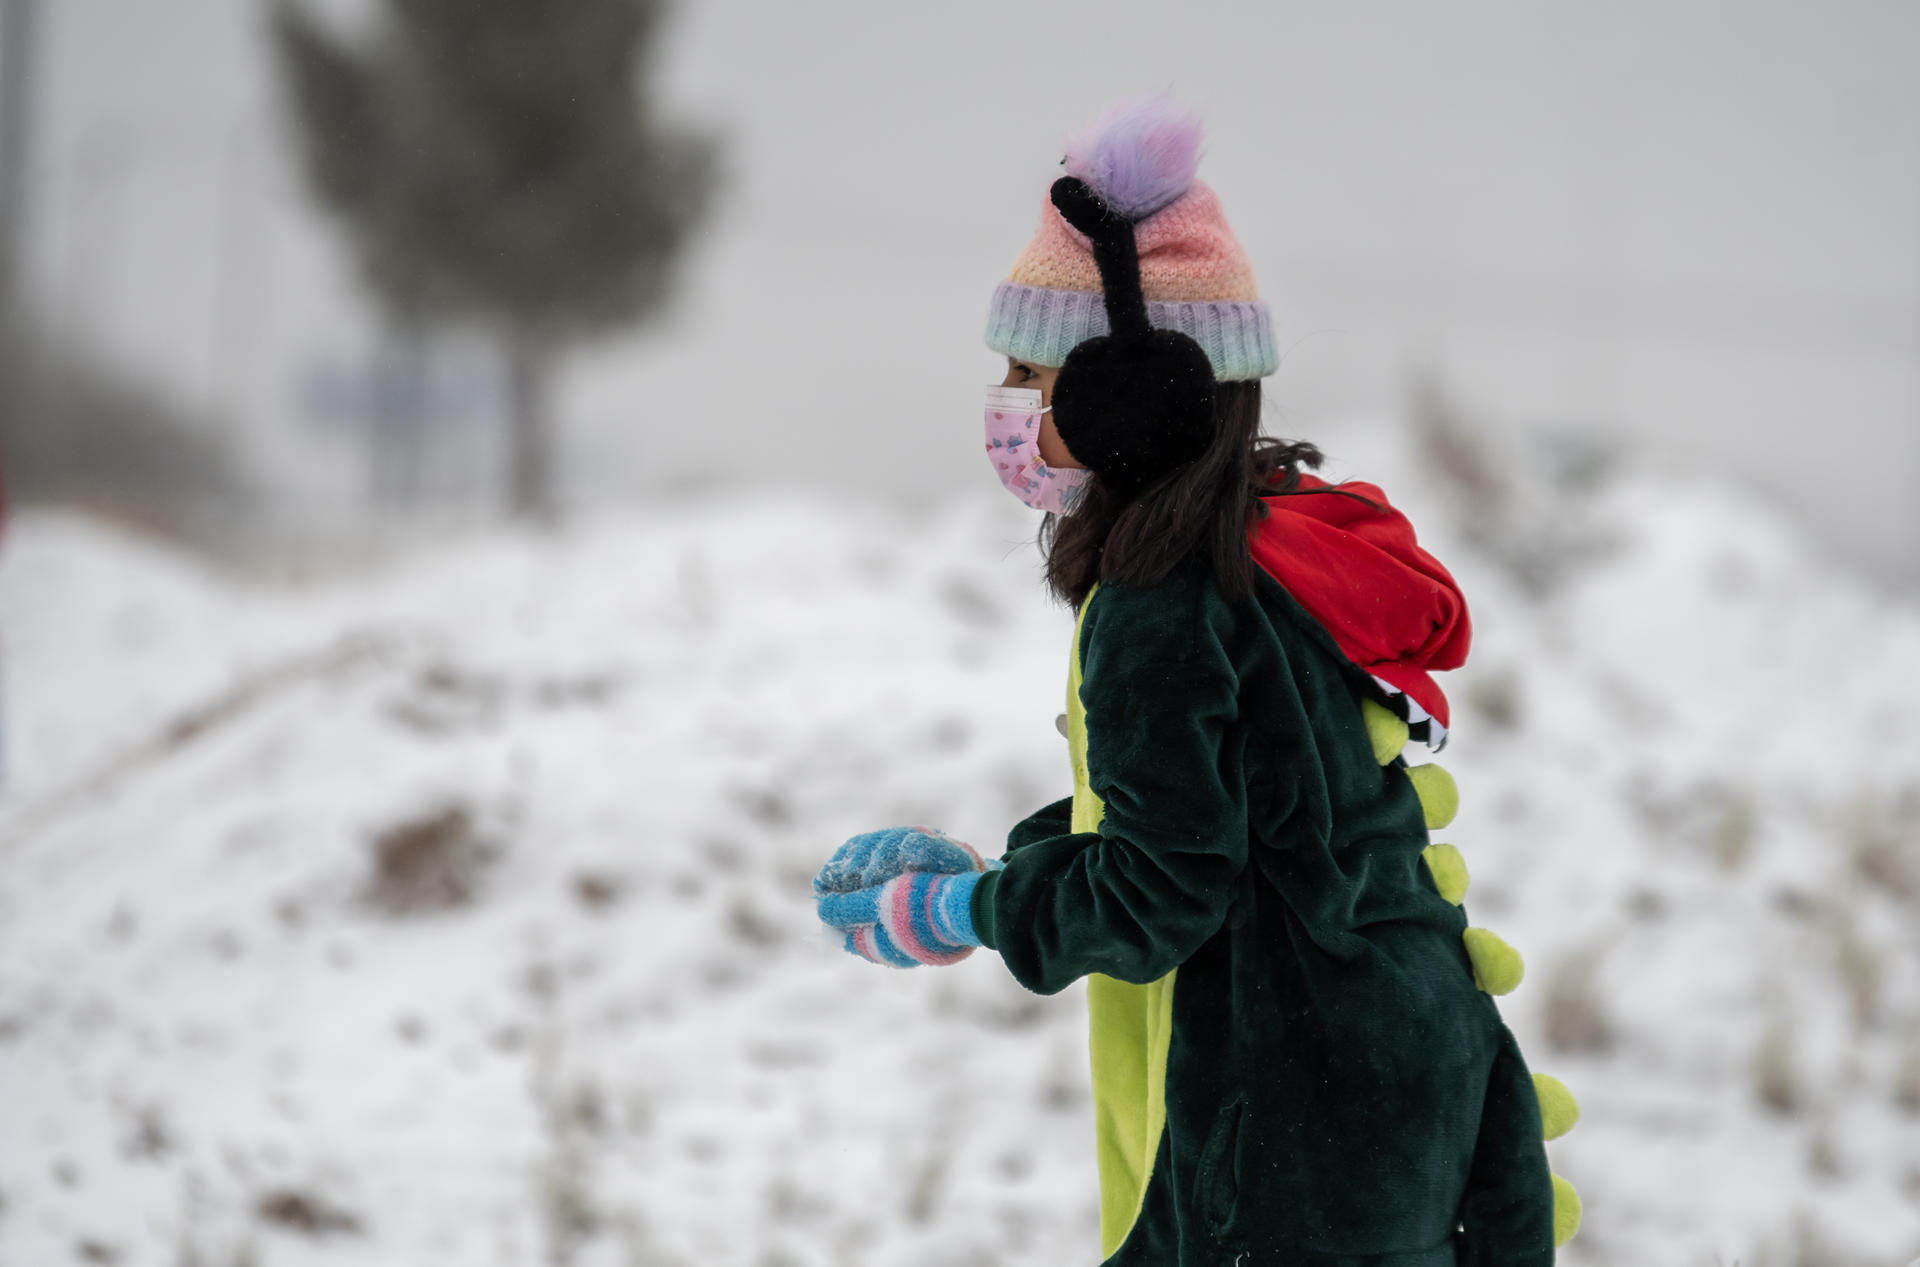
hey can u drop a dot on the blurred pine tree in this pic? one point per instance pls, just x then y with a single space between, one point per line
502 163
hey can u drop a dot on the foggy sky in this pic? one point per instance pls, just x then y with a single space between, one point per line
1693 226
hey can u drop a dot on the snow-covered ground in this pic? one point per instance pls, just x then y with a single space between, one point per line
459 913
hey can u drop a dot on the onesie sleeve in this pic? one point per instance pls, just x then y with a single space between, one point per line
1048 820
1137 897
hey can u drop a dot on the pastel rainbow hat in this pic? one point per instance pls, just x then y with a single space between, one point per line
1140 157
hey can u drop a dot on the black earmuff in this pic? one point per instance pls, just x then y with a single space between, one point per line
1133 404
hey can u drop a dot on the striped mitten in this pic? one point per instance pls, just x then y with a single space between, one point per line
914 918
872 858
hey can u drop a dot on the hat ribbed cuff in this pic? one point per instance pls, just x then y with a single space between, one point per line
1032 323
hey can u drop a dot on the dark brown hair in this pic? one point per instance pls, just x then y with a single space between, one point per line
1203 507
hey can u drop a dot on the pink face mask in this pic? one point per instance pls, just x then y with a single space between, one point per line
1013 446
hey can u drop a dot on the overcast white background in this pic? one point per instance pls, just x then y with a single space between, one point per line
1694 225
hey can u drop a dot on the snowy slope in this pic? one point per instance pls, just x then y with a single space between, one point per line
581 1012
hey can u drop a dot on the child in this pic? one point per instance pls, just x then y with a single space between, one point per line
1295 1058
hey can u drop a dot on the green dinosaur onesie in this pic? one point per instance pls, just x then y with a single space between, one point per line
1294 1061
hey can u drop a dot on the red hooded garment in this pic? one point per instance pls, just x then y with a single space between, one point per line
1391 607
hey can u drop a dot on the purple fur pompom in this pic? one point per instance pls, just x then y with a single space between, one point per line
1139 156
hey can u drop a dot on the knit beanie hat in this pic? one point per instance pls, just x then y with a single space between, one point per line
1140 158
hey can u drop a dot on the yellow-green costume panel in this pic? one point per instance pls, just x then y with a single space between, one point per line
1128 1028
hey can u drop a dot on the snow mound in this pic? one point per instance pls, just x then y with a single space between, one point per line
459 913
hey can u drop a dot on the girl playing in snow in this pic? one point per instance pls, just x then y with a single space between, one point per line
1295 1057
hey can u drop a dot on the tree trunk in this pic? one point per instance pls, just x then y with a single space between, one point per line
397 421
531 494
19 48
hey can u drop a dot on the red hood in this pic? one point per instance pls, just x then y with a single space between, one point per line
1390 606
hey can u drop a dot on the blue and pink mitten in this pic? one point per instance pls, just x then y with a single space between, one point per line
902 896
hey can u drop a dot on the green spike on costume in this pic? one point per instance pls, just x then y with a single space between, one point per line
1558 1109
1388 732
1566 1211
1497 967
1449 871
1439 797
